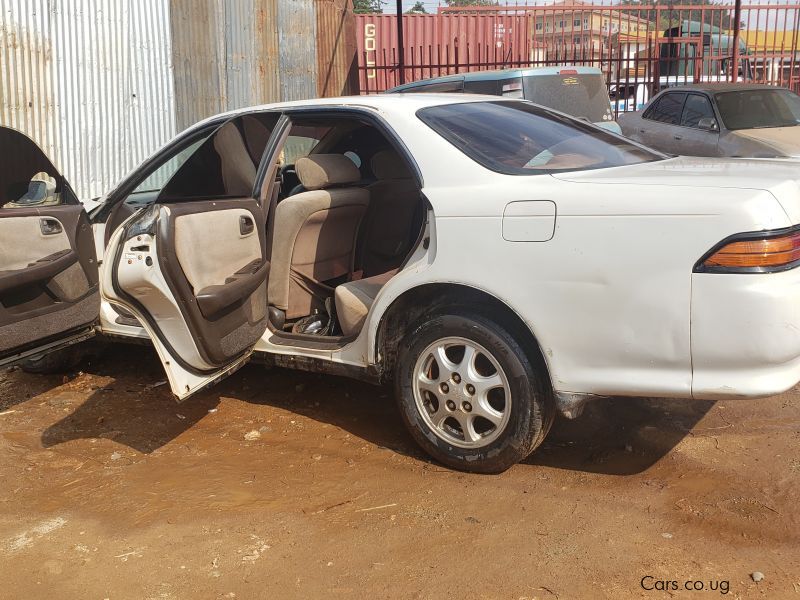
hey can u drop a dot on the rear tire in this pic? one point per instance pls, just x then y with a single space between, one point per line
470 395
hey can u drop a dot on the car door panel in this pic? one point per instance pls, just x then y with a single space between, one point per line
661 120
690 139
48 271
150 278
696 142
220 272
193 269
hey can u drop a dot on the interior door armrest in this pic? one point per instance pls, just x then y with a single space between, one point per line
215 298
41 270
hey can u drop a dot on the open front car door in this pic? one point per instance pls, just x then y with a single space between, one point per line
192 266
48 270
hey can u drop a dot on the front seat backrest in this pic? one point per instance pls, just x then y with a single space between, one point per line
315 234
238 169
393 217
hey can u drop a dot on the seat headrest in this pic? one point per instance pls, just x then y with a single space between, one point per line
387 164
319 171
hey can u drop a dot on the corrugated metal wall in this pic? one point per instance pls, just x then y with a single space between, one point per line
225 54
198 52
90 81
337 61
296 39
234 53
102 84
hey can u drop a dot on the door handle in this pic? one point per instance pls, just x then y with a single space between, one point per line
642 130
678 137
50 226
246 225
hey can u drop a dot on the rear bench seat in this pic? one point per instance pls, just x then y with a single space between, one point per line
355 298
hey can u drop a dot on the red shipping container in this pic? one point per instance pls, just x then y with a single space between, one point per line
438 45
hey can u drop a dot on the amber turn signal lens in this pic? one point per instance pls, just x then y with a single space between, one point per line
769 252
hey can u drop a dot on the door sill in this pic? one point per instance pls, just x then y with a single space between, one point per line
82 334
312 342
315 364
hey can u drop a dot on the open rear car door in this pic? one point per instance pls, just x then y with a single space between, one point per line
192 266
49 294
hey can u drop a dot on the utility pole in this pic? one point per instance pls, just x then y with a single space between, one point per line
737 25
401 60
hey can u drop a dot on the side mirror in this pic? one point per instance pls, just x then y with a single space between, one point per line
708 124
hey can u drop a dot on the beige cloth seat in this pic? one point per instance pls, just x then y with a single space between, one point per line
354 299
394 212
238 169
315 234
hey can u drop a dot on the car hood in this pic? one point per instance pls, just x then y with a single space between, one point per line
779 177
785 140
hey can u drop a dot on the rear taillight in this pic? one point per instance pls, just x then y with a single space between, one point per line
754 253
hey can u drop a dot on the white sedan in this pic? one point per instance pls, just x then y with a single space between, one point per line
500 262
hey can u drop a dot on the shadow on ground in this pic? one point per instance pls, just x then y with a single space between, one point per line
619 436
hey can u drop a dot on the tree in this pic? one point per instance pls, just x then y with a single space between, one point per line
361 7
417 9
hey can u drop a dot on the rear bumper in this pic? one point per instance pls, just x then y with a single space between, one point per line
745 334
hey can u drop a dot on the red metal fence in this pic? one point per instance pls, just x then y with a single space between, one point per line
639 49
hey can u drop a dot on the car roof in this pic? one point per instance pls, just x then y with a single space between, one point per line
379 102
712 87
498 74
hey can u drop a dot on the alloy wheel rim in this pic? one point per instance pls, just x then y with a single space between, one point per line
461 392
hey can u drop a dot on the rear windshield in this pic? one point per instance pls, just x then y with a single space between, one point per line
577 95
757 109
519 138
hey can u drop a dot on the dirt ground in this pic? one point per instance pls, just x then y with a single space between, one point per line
282 484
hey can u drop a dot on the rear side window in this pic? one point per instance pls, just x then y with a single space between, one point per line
159 178
697 107
520 138
667 109
224 165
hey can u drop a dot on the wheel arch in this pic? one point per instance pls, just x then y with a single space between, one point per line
430 298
